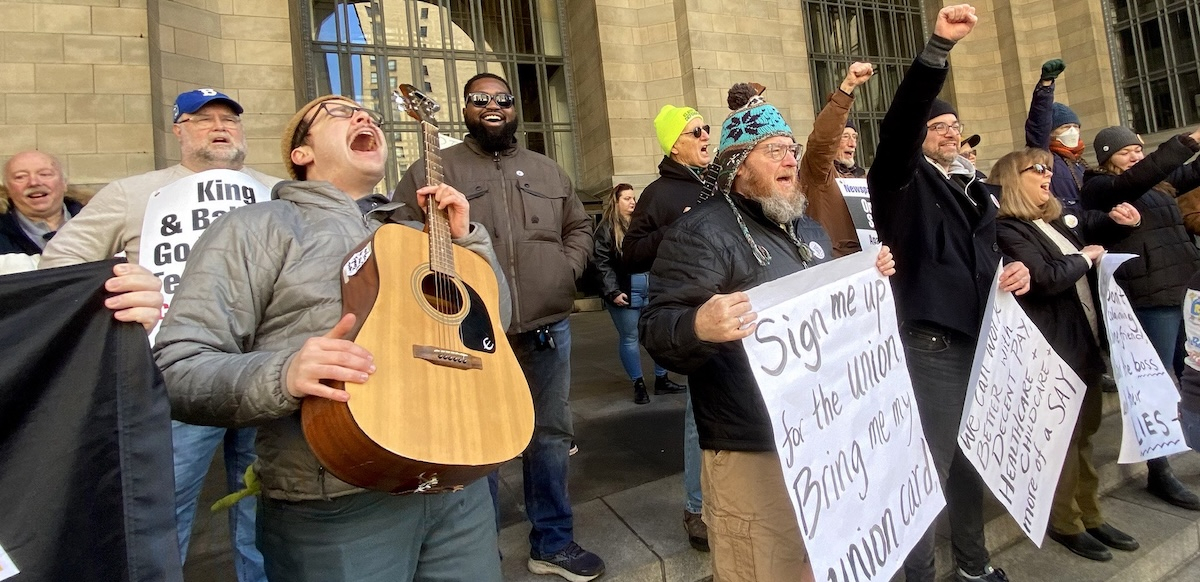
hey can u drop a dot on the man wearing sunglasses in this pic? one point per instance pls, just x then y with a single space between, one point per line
208 125
941 221
543 239
256 327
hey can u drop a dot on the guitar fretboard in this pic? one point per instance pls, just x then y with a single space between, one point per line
441 253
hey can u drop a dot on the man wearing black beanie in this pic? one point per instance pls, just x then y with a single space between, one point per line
941 221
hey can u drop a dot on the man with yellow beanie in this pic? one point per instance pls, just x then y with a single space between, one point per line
683 137
256 327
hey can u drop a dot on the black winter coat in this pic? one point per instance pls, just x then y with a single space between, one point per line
662 202
614 277
13 238
943 236
703 254
1166 256
1052 301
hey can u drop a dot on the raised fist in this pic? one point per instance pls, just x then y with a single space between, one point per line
1052 68
955 22
856 75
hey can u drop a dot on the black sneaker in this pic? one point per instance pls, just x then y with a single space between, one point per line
664 385
572 563
989 574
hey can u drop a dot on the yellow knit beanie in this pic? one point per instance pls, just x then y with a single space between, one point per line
669 124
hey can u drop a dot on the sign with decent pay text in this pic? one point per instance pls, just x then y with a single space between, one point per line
1022 404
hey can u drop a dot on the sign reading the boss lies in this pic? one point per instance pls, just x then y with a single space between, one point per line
1149 399
1022 404
831 369
178 213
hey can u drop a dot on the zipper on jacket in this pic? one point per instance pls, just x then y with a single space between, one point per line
321 481
512 249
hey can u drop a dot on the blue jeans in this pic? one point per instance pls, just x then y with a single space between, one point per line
544 464
193 449
693 501
939 361
626 321
1162 326
376 537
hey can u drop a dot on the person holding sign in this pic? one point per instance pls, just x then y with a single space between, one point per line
1156 279
256 327
208 125
1063 302
941 221
753 232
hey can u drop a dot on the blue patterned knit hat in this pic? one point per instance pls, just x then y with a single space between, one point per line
752 121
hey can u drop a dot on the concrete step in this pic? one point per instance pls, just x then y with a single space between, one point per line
639 530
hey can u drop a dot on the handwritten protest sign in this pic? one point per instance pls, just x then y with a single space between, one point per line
858 201
1022 404
177 215
829 363
1149 399
7 568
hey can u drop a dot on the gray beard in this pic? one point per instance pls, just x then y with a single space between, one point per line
782 210
229 159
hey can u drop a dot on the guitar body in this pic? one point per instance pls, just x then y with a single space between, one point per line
448 402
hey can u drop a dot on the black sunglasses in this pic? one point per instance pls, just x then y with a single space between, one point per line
480 99
1039 168
702 129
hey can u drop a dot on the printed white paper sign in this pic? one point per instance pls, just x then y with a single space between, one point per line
858 201
831 369
1022 404
178 213
1149 398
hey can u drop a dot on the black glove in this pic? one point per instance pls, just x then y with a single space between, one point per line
1052 68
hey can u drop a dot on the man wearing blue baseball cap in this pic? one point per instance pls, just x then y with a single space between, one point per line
208 125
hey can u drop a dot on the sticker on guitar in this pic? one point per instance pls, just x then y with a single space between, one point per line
355 263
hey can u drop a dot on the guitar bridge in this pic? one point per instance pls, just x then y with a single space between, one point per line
448 358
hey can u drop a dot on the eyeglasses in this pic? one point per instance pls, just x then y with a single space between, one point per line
210 121
944 128
338 110
1039 169
776 151
699 130
480 99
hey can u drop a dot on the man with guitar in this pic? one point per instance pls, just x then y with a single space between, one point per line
256 328
543 238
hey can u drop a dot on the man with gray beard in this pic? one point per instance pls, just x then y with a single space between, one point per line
754 231
209 127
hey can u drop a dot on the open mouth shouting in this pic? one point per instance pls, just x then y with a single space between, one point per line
364 140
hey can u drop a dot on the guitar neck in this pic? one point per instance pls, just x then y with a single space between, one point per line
437 223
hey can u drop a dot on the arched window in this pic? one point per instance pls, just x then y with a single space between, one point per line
364 48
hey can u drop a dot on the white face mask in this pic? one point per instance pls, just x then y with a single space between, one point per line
1070 137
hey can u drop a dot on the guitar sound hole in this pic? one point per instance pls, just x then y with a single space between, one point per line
441 293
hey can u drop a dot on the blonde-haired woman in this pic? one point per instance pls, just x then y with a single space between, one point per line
624 293
1063 302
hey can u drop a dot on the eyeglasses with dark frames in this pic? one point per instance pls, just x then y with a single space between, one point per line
776 151
210 121
480 99
1039 169
944 128
339 110
696 132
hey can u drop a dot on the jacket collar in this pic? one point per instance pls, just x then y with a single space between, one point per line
669 168
313 193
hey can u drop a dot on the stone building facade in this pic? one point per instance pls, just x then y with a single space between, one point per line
93 80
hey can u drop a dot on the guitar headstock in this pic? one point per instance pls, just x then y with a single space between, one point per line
416 104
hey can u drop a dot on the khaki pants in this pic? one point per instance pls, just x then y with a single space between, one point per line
1076 504
752 527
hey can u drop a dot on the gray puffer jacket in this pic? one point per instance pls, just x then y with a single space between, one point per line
261 281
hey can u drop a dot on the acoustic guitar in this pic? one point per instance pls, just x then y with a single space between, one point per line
448 402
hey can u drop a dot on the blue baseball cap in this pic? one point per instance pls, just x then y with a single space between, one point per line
192 101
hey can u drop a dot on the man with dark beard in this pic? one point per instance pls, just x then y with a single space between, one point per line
209 127
543 239
752 232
